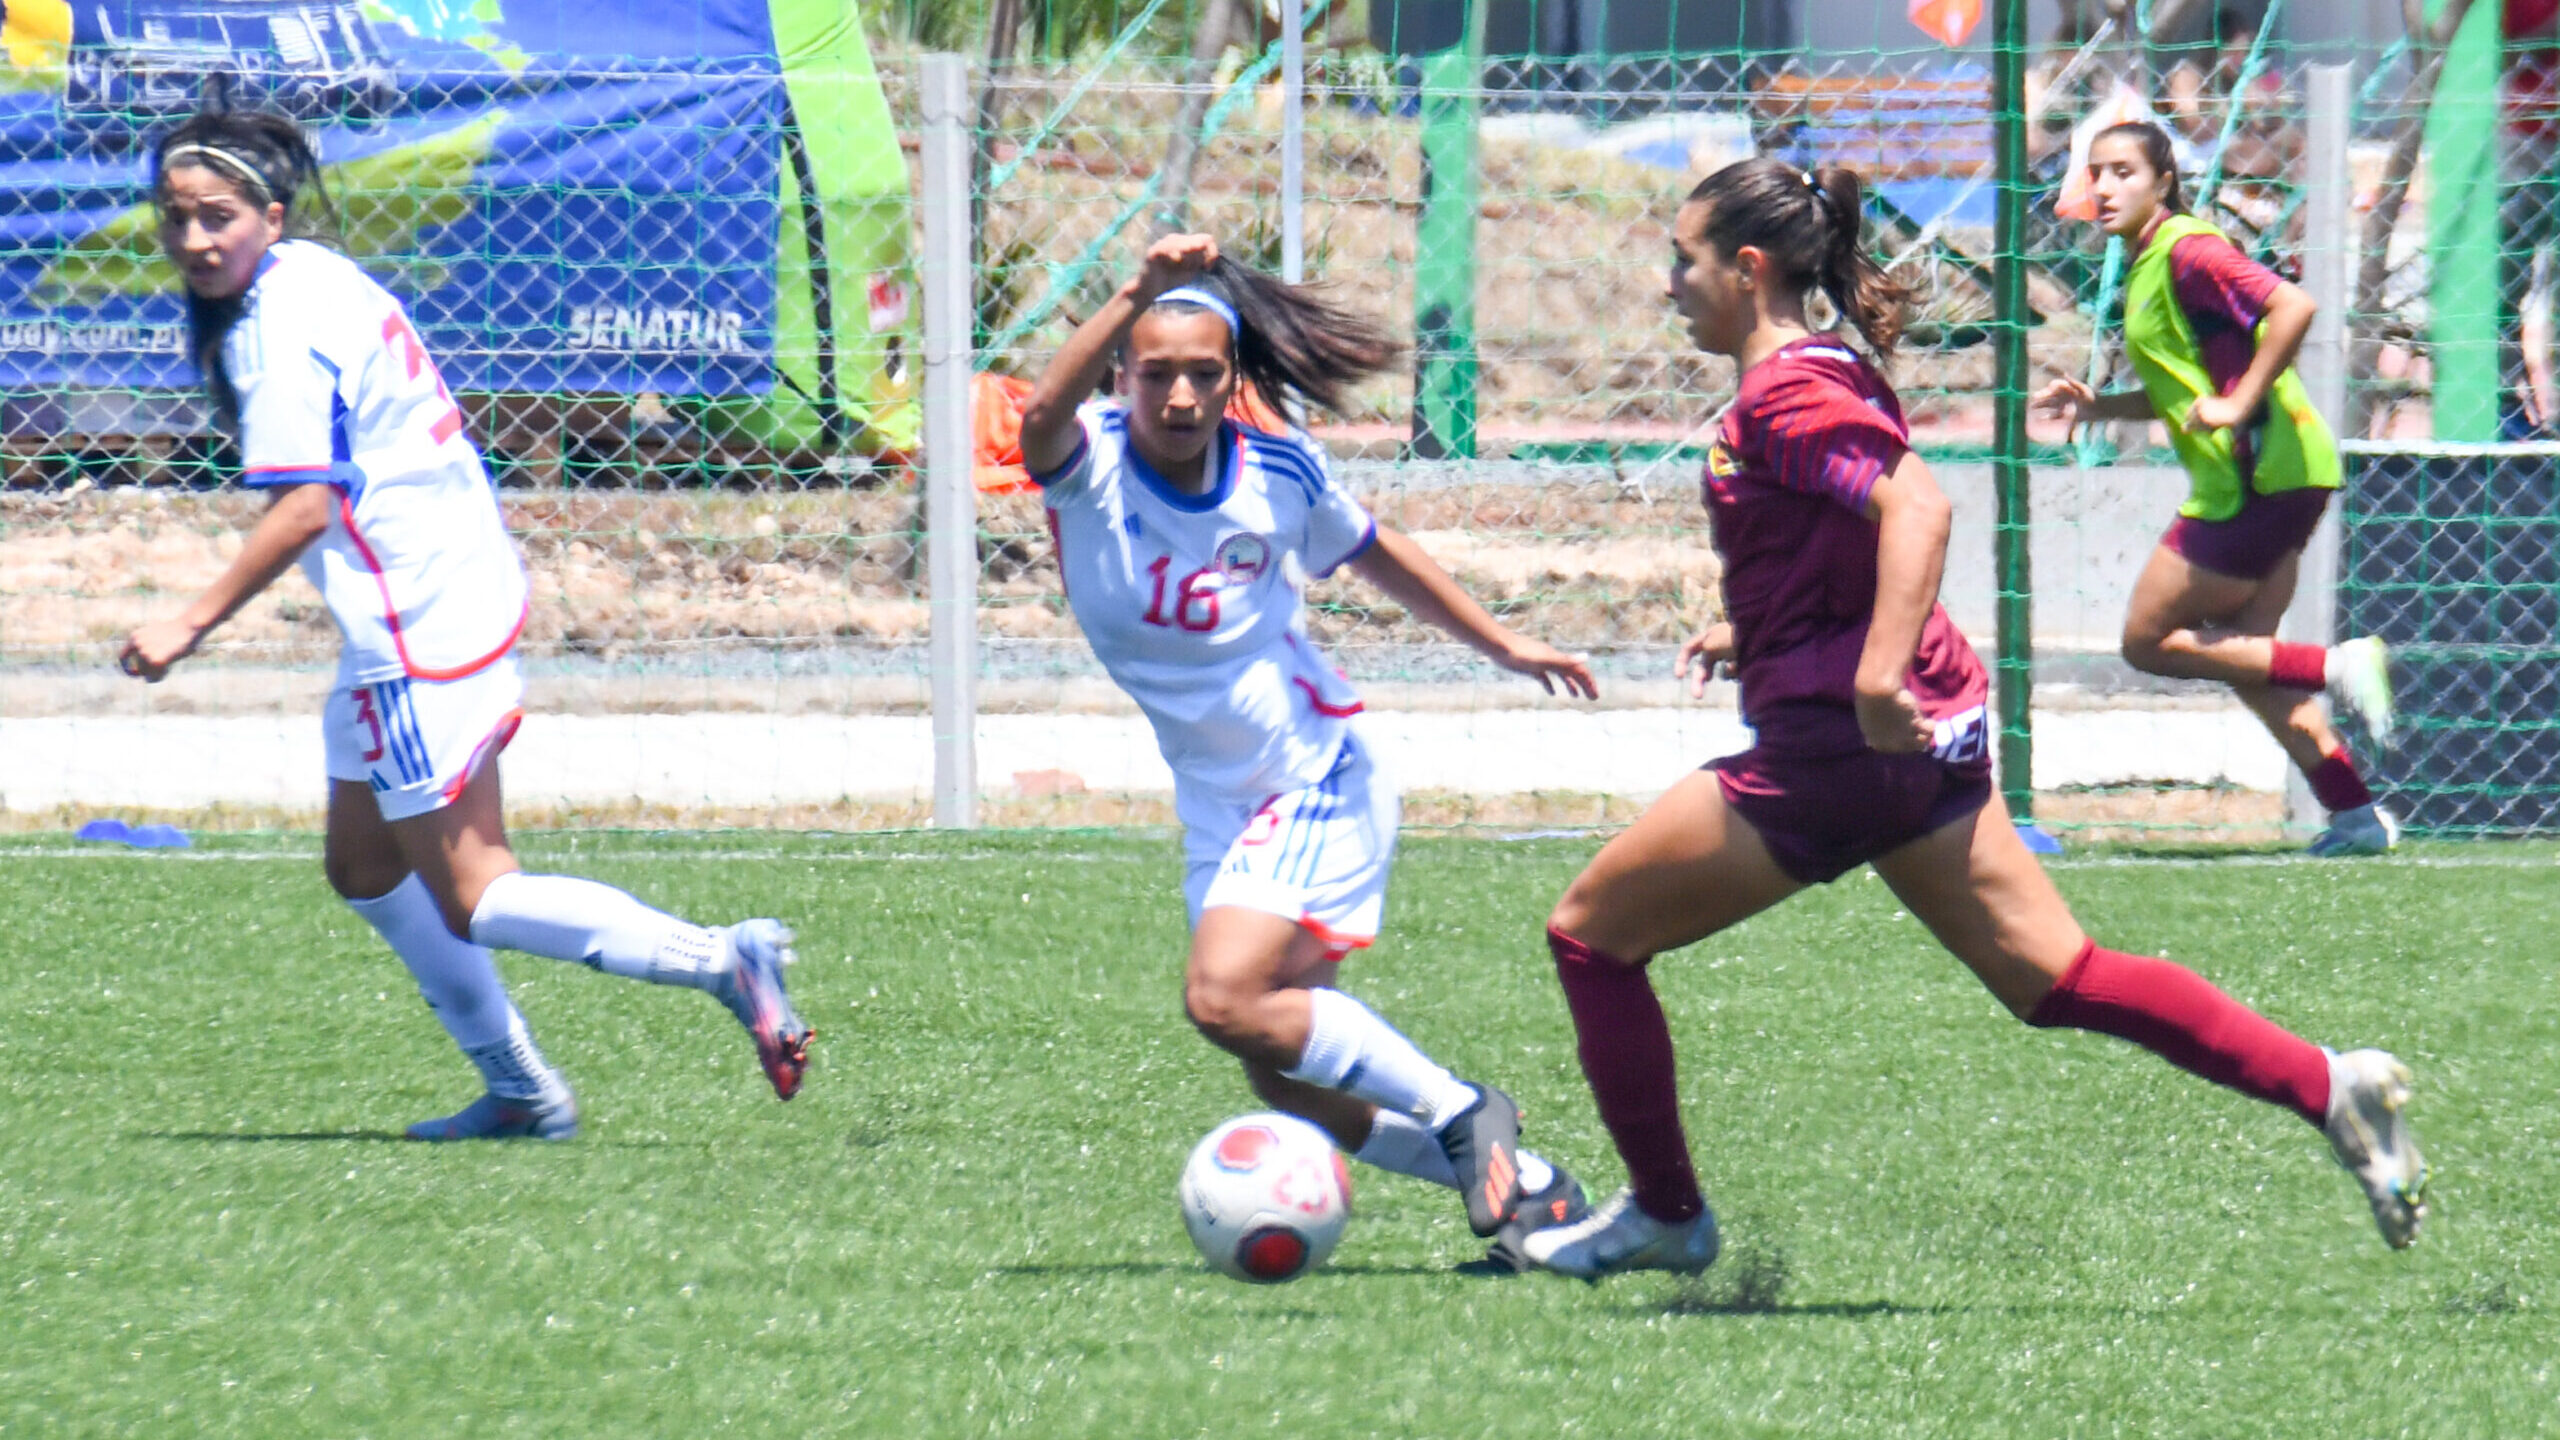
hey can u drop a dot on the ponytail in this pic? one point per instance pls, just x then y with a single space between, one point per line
1293 343
1810 224
271 161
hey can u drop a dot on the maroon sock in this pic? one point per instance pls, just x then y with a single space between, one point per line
2336 785
2179 1016
2296 666
1625 1046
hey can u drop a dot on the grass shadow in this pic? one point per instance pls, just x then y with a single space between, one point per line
270 1137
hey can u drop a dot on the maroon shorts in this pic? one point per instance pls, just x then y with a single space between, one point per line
1822 817
2250 545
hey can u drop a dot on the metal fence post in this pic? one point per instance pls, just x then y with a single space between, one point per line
1293 141
2013 668
2328 212
951 492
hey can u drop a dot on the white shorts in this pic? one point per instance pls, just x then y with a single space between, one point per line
418 742
1317 855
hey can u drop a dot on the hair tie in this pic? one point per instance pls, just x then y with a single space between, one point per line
239 167
1810 183
1193 295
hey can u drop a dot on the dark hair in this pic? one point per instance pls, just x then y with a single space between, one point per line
2157 152
1294 343
269 158
1809 223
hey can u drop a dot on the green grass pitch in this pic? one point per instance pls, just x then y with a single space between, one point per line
1937 1221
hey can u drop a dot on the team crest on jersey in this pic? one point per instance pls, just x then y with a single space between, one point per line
1720 462
1242 557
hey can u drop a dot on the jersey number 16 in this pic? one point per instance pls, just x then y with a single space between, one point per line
1195 605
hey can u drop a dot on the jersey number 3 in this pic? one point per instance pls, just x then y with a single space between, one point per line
1195 605
397 334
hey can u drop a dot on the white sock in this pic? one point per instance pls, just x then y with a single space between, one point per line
562 917
1349 1048
1400 1144
461 985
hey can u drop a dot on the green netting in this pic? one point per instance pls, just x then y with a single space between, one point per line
743 558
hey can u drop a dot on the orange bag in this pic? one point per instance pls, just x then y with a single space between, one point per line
995 418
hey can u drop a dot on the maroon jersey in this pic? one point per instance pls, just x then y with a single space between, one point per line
1786 492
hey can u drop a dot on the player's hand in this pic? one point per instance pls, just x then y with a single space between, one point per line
1893 723
2069 398
2214 412
1549 666
1174 261
1707 655
152 649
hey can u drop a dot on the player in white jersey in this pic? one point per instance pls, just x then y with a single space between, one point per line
1184 539
343 422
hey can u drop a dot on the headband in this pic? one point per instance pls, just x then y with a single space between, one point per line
1193 295
240 166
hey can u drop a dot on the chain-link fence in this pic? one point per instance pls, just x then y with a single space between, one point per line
675 294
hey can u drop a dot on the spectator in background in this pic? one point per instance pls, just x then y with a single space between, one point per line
2528 214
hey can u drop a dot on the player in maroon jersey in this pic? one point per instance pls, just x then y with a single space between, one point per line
1868 709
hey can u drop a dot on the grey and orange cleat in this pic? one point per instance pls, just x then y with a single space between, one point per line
2365 830
1483 1146
753 990
1558 1202
1618 1237
496 1117
2368 1130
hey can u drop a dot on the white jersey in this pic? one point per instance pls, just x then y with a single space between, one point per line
1192 601
335 389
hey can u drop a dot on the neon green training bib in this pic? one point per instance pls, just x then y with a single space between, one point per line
2295 449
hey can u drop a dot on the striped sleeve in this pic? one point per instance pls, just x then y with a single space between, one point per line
1820 437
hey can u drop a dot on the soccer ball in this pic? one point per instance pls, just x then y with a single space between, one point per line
1265 1198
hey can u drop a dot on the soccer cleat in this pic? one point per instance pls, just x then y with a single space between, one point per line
753 991
2360 678
2368 1091
1619 1237
1561 1202
2365 830
495 1117
1483 1146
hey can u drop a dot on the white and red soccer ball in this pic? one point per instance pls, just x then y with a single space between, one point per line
1265 1198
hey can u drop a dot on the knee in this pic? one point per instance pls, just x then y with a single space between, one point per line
1218 1008
2145 651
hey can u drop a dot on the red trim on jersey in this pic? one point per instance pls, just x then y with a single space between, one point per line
498 738
391 614
1316 699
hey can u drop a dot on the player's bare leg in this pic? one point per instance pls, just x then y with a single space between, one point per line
461 853
1689 867
1977 888
523 1096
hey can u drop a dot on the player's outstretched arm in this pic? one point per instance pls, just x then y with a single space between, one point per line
293 520
1049 433
1912 522
1414 580
2076 402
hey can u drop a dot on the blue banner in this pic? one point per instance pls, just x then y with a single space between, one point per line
569 197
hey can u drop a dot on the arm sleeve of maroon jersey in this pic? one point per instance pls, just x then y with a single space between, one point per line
2214 281
1823 438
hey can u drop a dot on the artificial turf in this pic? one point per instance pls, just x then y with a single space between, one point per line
1937 1221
